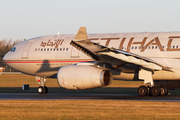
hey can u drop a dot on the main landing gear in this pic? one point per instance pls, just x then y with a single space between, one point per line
149 88
41 89
152 91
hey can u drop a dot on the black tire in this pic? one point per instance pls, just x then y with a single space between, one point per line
40 89
142 90
149 91
155 91
45 89
164 90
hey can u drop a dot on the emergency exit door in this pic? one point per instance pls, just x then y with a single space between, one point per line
26 50
74 52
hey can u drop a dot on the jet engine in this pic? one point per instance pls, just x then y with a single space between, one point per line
83 77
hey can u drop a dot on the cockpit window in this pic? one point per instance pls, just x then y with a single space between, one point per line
13 49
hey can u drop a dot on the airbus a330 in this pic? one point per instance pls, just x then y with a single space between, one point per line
85 61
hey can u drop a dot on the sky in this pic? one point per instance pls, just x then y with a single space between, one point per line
25 19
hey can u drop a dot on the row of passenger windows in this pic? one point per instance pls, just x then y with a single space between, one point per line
133 47
151 47
51 49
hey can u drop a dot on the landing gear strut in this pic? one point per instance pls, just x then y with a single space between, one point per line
41 89
153 91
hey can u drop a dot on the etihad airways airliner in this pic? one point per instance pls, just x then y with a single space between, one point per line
85 61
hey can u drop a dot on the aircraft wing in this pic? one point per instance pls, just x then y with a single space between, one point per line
113 56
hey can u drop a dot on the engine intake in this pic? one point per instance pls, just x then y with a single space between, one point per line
83 77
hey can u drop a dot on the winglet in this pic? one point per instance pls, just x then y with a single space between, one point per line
81 34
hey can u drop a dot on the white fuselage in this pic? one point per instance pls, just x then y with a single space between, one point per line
43 56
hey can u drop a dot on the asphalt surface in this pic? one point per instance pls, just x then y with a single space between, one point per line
36 96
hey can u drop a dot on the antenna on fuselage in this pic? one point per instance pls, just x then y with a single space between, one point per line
58 32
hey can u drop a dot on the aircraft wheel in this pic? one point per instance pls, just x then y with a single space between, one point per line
155 91
40 90
142 90
45 89
164 91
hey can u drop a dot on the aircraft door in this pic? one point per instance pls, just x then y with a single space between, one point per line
26 50
74 52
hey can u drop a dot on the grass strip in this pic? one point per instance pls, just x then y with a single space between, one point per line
88 109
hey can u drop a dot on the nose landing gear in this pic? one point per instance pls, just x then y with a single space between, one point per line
41 89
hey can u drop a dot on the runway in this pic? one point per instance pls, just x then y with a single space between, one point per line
36 96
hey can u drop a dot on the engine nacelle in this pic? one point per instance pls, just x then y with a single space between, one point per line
83 77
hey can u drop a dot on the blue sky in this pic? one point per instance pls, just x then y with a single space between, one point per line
24 19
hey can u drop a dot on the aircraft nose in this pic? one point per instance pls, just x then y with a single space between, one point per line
10 55
5 58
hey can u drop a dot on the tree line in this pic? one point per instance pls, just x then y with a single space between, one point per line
5 46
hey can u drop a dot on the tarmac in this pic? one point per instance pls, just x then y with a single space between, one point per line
57 96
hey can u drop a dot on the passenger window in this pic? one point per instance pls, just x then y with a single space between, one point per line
177 46
44 49
60 49
66 49
54 49
51 49
156 47
41 49
152 47
173 47
132 47
63 49
48 49
36 49
57 49
136 47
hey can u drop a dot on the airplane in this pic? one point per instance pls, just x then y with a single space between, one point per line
86 61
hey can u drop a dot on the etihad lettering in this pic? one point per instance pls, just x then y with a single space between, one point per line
141 43
144 44
171 38
56 43
121 43
129 44
108 40
154 41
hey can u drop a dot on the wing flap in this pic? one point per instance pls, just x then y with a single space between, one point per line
134 60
